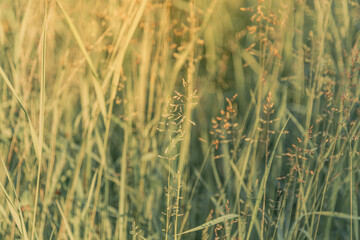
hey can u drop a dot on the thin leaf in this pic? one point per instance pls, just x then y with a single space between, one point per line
87 205
18 219
15 215
41 124
211 223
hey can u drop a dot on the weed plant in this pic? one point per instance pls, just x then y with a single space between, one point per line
171 119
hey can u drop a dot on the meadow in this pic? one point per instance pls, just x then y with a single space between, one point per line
179 119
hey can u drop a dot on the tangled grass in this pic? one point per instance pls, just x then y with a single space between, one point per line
201 119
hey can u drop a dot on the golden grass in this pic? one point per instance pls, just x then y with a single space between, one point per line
178 120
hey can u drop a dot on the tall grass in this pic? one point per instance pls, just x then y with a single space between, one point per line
167 119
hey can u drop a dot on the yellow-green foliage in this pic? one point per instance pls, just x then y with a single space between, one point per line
179 119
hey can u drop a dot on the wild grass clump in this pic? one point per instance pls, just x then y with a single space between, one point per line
178 120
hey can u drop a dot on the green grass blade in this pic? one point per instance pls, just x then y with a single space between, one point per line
211 223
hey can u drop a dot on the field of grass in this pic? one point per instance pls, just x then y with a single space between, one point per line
179 119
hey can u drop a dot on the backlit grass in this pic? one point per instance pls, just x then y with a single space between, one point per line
206 119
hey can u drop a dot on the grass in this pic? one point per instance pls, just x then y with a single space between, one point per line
201 119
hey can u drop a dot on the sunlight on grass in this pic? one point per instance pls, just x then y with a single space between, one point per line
170 119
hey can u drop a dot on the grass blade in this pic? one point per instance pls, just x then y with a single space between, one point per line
67 226
41 122
16 213
211 223
87 205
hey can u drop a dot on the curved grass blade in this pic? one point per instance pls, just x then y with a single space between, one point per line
211 223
